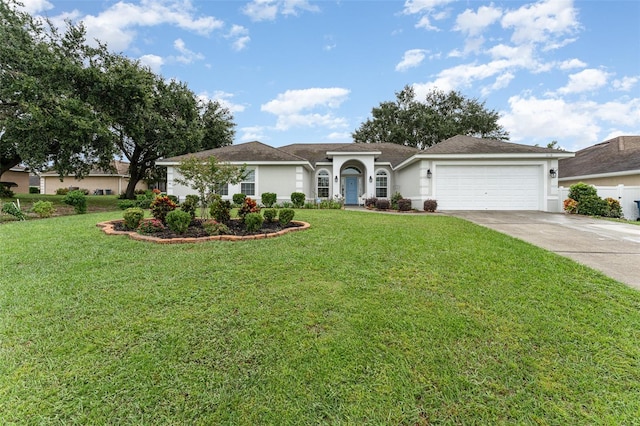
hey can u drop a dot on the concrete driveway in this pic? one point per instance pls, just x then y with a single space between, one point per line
610 247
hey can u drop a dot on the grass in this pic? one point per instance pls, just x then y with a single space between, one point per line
363 319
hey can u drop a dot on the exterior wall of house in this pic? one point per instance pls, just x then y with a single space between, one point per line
412 183
631 180
21 178
281 179
117 185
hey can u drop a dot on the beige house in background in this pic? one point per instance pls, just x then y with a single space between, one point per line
610 163
18 175
98 181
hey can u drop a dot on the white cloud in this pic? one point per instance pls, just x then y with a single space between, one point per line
585 81
154 62
187 56
421 6
33 7
252 133
626 83
571 64
411 59
532 120
294 101
223 98
542 22
268 10
240 37
288 107
340 136
474 23
116 25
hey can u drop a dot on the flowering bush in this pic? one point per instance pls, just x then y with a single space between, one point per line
248 206
161 206
570 205
150 227
614 209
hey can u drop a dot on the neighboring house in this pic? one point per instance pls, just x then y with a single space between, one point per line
98 181
17 179
610 163
460 173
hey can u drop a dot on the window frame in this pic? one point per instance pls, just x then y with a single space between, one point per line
249 182
323 174
382 174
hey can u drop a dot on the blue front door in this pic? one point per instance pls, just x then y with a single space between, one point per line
351 191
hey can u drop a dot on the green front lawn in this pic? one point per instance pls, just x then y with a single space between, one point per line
363 319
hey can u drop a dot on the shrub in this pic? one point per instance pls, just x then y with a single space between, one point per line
220 210
253 222
297 198
248 206
238 199
430 205
285 216
126 204
6 192
570 205
190 205
269 214
34 190
370 202
404 204
161 206
14 210
579 191
310 205
43 208
383 204
150 227
178 221
614 209
394 200
174 198
62 191
144 203
592 205
287 205
269 199
132 217
212 227
78 200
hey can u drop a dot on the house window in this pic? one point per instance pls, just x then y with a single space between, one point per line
382 183
223 189
323 184
248 186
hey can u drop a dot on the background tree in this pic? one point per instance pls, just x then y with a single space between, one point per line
207 176
218 128
46 118
421 124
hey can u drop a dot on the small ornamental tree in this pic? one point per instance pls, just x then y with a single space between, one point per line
206 176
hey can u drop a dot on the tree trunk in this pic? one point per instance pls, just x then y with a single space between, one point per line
135 177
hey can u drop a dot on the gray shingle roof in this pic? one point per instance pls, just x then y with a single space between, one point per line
471 145
244 152
317 152
619 154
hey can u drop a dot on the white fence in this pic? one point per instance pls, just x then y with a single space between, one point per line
625 194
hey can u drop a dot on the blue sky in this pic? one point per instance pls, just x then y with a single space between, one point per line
297 71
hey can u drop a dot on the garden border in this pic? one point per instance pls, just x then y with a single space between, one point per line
108 228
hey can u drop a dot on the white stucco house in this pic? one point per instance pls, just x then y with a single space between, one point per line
461 173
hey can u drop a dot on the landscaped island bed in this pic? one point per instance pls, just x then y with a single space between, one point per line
362 319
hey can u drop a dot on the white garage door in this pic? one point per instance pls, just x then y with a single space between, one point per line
488 187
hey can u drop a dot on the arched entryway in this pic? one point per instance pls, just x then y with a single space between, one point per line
352 185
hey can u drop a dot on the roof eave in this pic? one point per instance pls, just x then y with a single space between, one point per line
601 175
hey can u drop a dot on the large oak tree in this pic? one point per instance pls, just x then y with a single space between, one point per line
46 118
423 123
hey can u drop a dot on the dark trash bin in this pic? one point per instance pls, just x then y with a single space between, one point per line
637 204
